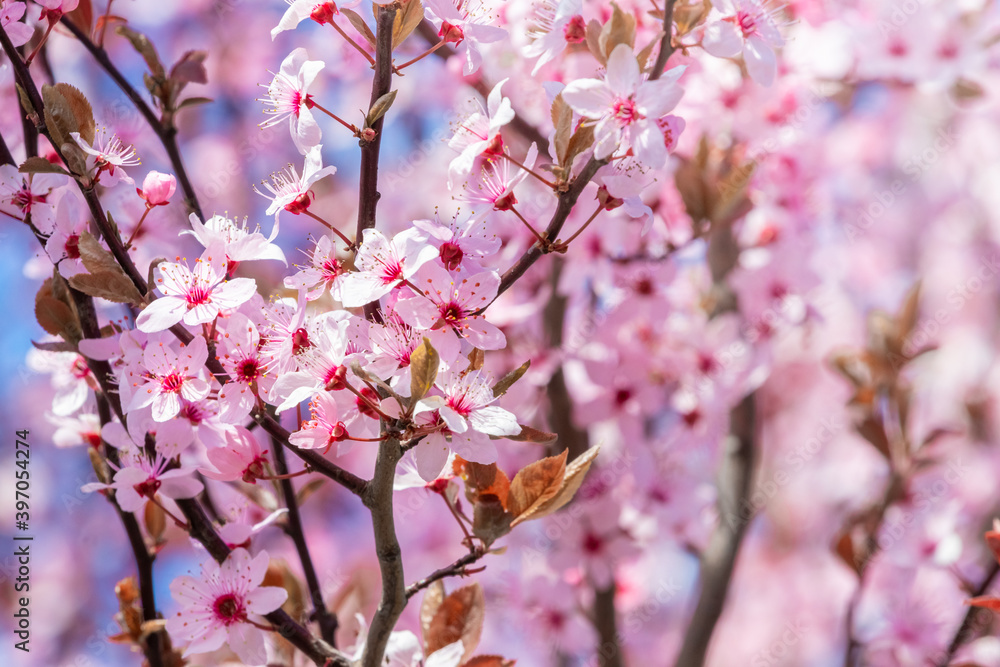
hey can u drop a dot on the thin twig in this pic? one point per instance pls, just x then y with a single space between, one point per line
666 44
456 569
327 620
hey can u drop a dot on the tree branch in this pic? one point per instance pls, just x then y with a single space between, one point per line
666 44
964 631
454 570
378 499
327 621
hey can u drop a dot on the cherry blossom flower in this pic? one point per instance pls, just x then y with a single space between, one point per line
107 155
222 604
467 420
140 479
287 334
323 365
291 192
329 413
495 189
288 95
300 10
71 379
169 376
242 458
465 25
239 242
479 135
383 265
451 302
10 15
196 297
324 270
63 246
74 431
459 241
157 188
557 23
626 108
21 192
240 355
746 27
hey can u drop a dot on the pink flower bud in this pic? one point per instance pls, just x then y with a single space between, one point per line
157 188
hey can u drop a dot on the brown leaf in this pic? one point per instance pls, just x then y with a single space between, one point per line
529 434
594 41
507 381
83 16
39 165
94 257
424 362
359 24
844 547
156 521
490 521
460 617
620 29
693 190
112 286
562 120
408 17
145 48
190 68
481 479
53 315
433 597
80 108
534 485
575 473
476 359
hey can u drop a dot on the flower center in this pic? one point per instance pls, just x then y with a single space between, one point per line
300 341
171 383
363 406
323 12
451 255
336 379
248 370
452 313
300 204
73 246
576 30
451 33
79 369
228 608
747 22
148 488
198 295
592 544
332 268
624 111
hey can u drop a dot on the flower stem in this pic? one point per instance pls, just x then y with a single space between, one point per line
536 175
600 207
128 244
371 61
304 471
350 244
422 55
313 105
544 242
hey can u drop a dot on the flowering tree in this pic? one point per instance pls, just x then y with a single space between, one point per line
584 339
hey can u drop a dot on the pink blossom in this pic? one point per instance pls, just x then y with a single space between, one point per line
464 24
219 605
170 376
746 27
495 189
140 479
626 107
558 23
240 242
300 10
196 297
460 243
242 458
479 134
288 95
383 265
323 272
291 192
107 155
157 188
10 14
240 355
452 302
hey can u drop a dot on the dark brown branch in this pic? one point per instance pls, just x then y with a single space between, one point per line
378 499
606 621
456 569
666 44
319 651
165 132
567 201
327 621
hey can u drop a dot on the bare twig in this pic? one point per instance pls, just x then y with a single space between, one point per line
456 569
327 620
